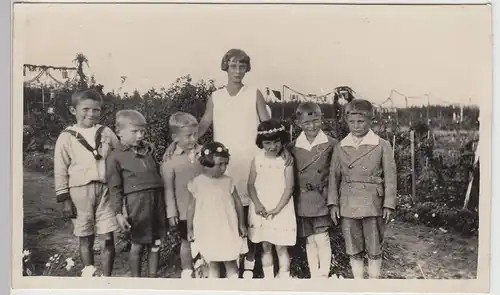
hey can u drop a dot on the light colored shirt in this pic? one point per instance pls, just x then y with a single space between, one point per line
370 138
74 165
303 143
177 172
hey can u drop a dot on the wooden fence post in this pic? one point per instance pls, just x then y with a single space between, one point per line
413 174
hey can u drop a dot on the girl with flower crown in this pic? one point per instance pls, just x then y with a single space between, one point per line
272 213
215 213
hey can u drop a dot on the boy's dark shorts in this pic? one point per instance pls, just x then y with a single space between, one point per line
307 226
363 236
146 215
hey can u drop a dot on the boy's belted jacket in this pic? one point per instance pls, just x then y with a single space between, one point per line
363 179
312 169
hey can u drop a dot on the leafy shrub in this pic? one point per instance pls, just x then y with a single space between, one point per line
39 161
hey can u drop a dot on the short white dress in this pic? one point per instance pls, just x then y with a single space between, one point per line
270 185
215 223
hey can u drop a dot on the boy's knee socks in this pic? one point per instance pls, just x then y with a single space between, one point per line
312 256
357 266
324 253
374 266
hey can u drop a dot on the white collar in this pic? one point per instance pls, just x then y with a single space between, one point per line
303 143
369 139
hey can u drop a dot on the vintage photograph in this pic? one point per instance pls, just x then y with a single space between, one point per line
253 141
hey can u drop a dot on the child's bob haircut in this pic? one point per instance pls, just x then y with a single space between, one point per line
129 117
271 130
211 150
308 108
235 55
181 120
360 107
83 94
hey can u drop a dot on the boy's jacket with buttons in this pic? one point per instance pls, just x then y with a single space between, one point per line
363 180
311 177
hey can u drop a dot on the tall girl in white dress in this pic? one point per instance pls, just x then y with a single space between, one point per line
241 106
272 213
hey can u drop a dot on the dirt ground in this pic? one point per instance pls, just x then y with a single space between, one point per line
417 251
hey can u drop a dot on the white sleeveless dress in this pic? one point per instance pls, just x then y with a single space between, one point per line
270 185
235 121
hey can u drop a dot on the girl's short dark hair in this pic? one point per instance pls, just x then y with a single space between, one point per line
238 55
271 130
211 150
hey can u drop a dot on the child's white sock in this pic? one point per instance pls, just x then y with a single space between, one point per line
187 274
268 272
324 253
233 276
248 267
374 266
312 256
357 266
284 274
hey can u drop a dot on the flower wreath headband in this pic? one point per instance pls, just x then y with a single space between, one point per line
217 150
282 128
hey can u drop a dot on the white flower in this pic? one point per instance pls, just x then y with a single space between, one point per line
433 214
88 271
206 152
416 215
51 258
435 252
219 149
47 264
69 263
392 220
26 253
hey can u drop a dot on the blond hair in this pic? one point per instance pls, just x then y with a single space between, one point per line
360 107
181 120
129 117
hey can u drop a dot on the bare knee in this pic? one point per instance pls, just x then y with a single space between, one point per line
136 249
267 247
282 251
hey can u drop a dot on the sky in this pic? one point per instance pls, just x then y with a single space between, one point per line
442 51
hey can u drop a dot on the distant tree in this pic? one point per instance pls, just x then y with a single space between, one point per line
79 60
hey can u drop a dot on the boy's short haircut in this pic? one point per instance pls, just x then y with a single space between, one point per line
360 107
236 55
129 117
181 120
83 94
211 150
308 108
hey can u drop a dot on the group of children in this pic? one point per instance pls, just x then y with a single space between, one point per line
248 186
